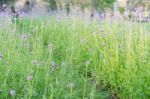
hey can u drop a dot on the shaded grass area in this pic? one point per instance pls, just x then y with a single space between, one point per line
73 58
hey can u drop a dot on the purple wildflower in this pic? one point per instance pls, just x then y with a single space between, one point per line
53 64
24 36
29 78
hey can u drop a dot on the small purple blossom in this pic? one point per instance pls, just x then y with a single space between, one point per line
53 64
24 36
29 78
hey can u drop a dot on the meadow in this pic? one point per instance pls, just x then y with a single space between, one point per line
74 58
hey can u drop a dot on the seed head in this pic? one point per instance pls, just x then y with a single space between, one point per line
43 62
35 62
84 41
1 56
102 30
27 45
50 45
87 62
70 85
12 93
4 5
95 33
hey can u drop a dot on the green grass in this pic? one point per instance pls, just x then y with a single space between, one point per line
94 60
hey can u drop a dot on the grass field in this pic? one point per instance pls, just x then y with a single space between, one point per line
54 58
